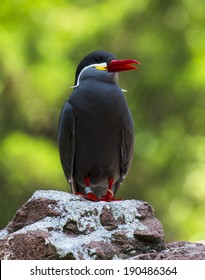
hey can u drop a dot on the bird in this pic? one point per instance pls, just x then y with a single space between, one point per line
96 129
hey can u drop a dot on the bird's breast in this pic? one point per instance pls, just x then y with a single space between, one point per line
98 113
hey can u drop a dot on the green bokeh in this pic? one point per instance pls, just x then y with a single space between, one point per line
41 43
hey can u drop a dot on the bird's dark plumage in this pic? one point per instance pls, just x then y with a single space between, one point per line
96 132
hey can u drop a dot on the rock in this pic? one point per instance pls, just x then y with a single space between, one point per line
176 251
59 225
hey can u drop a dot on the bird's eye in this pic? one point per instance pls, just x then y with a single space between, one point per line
98 59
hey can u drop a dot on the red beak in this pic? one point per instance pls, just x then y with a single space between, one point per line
122 65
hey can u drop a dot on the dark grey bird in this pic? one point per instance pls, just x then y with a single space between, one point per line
96 131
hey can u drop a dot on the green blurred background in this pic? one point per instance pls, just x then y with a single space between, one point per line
41 43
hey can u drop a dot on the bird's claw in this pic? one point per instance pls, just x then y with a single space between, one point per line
92 197
89 196
109 197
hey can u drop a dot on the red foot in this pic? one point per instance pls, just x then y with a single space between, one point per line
91 196
88 196
109 197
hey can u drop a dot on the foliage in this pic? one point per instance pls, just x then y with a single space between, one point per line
41 44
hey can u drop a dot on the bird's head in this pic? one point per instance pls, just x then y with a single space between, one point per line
103 61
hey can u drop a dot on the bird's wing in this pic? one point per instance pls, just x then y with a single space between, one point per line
66 141
127 148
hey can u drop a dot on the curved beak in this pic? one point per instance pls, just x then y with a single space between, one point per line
122 65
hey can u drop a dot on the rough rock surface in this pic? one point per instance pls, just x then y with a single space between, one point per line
59 225
176 251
